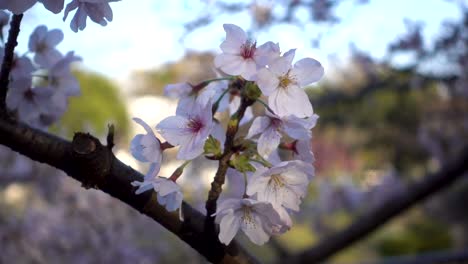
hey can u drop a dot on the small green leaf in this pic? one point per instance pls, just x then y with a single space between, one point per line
212 146
242 163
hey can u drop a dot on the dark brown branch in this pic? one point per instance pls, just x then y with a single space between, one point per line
444 257
390 208
95 166
8 58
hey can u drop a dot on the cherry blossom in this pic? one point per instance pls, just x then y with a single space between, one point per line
42 43
61 79
98 11
282 185
22 67
189 129
241 56
29 102
271 126
169 193
54 6
283 83
17 6
258 220
20 6
146 148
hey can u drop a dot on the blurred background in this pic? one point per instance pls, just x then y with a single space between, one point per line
393 108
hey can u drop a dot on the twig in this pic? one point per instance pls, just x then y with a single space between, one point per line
8 58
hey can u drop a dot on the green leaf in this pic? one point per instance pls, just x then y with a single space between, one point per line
212 146
242 163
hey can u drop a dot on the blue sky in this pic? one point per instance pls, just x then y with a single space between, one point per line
147 34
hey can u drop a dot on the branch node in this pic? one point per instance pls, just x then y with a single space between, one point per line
93 160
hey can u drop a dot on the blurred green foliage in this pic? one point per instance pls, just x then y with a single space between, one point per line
100 104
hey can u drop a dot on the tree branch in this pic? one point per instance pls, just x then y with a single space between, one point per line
86 160
8 58
390 208
443 257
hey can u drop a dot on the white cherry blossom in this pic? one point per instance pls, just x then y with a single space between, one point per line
29 102
20 6
283 83
17 6
241 56
285 184
42 43
22 67
99 11
54 6
146 147
61 78
169 193
189 129
271 126
258 220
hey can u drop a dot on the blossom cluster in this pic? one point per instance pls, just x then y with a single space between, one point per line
273 188
40 86
98 11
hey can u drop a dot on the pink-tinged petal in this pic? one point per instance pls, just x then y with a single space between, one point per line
229 64
249 70
17 6
79 19
297 128
253 228
259 125
291 101
267 81
235 38
167 186
256 184
192 148
268 141
285 218
54 6
142 186
291 201
36 37
173 129
143 124
283 64
228 204
229 225
267 53
54 37
304 151
307 71
177 90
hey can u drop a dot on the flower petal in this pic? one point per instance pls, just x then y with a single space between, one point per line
307 71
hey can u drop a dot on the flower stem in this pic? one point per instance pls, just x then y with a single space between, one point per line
216 104
176 174
266 106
